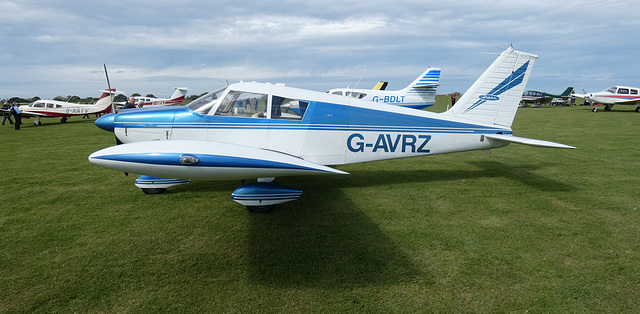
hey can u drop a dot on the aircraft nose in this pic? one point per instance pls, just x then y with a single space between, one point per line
106 122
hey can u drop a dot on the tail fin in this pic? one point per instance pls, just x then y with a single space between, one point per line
106 93
179 94
494 97
566 92
382 85
430 78
104 103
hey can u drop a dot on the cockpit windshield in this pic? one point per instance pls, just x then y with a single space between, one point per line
204 103
612 89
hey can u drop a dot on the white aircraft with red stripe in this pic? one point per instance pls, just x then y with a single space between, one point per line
615 95
64 110
262 131
175 99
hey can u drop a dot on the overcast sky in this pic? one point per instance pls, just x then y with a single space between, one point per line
58 47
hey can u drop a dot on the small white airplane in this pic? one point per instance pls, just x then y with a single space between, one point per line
175 99
420 94
615 95
255 130
64 110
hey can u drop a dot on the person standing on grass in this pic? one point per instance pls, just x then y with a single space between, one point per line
17 114
6 115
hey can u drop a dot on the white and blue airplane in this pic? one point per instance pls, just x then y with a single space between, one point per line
262 131
420 94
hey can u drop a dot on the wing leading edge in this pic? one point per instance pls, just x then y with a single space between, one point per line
203 160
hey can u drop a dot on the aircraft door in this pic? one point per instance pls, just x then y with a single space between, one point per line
287 132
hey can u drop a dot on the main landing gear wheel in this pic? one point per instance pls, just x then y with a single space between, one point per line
637 109
261 209
153 191
607 108
63 120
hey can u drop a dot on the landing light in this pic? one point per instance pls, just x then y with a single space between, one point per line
188 160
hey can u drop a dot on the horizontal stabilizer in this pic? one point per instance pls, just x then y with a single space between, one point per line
425 86
525 141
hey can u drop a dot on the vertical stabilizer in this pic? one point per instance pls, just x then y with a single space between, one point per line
494 97
179 93
430 78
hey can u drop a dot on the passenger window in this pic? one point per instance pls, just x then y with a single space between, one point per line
623 91
286 108
243 104
634 92
49 105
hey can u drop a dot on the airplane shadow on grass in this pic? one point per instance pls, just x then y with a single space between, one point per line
325 240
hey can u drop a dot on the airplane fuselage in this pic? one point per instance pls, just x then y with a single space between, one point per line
617 95
411 99
332 130
53 108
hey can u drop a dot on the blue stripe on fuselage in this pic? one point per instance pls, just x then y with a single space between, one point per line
319 116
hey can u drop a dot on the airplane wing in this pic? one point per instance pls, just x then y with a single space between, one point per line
35 114
204 160
525 141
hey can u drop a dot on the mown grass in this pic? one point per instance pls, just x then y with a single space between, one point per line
521 229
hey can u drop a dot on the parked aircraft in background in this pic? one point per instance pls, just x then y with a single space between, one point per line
175 99
64 110
538 98
420 94
263 131
615 95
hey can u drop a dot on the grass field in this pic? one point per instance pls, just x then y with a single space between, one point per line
520 230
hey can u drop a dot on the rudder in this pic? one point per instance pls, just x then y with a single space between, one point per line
494 97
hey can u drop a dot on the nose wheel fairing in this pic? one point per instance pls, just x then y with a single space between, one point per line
154 185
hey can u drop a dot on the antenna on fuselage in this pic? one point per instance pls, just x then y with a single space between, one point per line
361 76
113 110
246 63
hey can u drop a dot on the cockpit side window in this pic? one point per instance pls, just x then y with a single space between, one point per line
287 108
624 91
243 104
204 103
